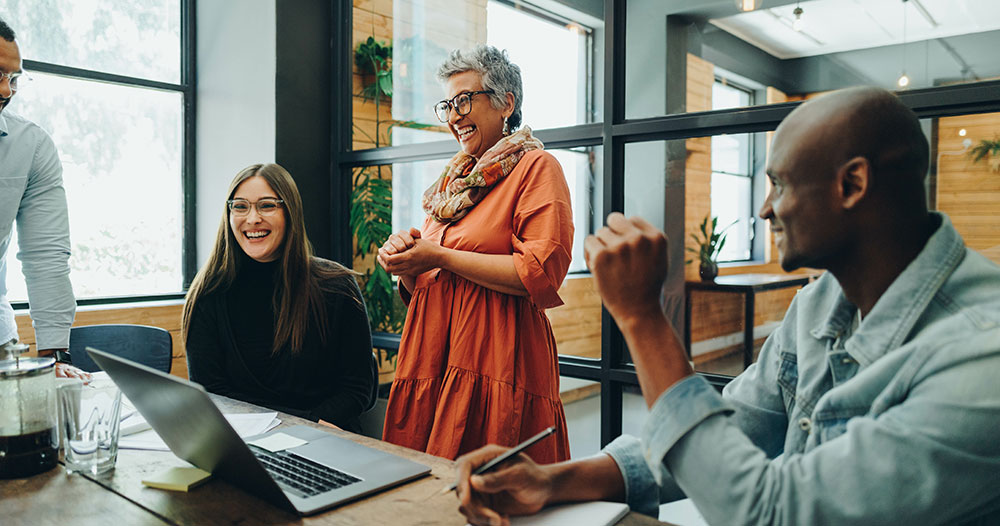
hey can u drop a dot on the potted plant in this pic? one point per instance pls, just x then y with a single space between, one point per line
987 149
709 244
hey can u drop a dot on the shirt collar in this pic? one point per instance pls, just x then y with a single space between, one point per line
901 305
3 125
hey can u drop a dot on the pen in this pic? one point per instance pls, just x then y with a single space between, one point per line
506 455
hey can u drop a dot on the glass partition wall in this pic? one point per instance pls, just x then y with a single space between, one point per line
663 109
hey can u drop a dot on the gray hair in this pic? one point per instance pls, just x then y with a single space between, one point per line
498 72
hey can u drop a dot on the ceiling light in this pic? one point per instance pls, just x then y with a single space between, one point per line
961 132
797 24
903 81
747 5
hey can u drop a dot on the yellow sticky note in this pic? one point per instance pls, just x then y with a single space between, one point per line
177 479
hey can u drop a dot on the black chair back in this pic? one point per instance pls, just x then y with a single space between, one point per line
147 345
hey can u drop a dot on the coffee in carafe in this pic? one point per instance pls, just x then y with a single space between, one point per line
28 436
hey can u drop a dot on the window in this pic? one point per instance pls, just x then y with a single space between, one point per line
557 92
108 85
732 177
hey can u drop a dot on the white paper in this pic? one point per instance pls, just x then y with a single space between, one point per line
245 424
278 442
682 513
594 513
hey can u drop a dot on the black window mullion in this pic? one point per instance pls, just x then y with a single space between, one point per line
612 343
113 78
189 176
341 236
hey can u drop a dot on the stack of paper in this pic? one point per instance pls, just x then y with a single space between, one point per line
245 424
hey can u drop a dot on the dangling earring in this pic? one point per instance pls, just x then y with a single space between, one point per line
506 127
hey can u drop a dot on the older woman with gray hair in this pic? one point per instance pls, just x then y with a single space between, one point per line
477 360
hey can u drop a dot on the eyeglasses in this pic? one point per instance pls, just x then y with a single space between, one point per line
265 207
462 103
12 77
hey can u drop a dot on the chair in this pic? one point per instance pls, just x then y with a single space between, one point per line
147 345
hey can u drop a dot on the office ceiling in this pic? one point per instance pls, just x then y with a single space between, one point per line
946 40
832 26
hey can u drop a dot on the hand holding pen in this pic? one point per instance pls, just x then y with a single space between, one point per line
486 483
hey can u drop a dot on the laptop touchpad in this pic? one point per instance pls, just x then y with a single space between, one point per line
340 454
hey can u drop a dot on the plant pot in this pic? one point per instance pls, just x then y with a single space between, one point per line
708 271
386 367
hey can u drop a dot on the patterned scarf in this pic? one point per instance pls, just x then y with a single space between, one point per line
465 182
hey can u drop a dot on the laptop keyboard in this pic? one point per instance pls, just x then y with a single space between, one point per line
301 476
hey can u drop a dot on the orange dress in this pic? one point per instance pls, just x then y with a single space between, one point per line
477 366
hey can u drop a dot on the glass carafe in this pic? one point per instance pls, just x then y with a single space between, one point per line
28 432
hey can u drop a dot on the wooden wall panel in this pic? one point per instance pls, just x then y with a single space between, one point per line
969 192
576 325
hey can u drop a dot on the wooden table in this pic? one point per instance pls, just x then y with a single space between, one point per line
119 498
748 285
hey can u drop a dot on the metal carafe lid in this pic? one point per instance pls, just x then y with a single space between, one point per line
12 365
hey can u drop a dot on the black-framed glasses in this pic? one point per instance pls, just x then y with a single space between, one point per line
265 207
462 103
13 78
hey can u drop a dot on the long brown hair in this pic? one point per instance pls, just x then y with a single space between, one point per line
303 278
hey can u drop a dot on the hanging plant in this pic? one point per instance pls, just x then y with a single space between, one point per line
373 58
987 149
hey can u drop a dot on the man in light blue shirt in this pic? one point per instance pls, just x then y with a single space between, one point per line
32 196
877 401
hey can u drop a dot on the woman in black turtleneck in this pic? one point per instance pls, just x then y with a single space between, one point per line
267 322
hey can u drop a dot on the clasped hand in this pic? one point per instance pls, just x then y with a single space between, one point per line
406 254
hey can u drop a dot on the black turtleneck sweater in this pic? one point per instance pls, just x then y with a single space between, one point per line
229 351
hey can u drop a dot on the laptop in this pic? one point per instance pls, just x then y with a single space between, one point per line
325 472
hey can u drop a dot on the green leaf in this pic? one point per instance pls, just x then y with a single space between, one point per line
385 83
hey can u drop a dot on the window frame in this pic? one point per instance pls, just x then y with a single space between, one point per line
613 371
187 88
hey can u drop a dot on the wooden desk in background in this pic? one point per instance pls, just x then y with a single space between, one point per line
748 285
120 499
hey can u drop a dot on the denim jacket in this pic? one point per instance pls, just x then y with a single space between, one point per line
895 423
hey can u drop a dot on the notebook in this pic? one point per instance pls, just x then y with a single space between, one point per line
594 513
324 472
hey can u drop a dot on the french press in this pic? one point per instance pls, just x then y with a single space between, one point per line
28 432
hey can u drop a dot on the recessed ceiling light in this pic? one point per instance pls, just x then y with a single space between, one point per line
747 5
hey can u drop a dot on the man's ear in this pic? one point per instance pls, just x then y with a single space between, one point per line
854 181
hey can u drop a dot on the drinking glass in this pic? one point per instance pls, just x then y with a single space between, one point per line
90 420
